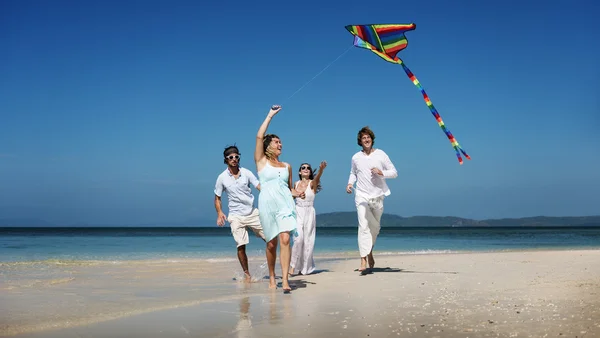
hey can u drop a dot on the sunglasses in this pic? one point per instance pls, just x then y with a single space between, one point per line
304 168
231 157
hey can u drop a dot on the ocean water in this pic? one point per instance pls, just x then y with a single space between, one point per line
213 243
73 277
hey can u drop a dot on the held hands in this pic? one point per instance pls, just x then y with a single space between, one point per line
221 218
296 194
274 110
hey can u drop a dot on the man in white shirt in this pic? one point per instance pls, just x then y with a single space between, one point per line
370 167
235 181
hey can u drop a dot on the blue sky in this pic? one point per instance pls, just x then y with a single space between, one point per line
117 112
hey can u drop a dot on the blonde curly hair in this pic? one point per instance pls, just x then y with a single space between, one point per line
268 150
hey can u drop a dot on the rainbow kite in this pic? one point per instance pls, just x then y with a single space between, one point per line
386 41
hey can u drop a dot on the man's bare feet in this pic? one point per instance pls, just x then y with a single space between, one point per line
371 261
247 277
363 264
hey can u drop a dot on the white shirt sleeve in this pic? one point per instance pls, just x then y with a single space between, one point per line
352 177
219 186
389 170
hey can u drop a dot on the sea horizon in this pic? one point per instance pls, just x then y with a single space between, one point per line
333 219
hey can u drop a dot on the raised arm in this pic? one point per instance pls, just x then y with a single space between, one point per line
317 180
259 153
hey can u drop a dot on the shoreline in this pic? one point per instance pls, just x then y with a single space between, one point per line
229 256
129 292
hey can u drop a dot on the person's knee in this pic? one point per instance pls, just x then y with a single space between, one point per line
241 248
284 238
272 244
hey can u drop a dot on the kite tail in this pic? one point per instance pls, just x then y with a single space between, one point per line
457 148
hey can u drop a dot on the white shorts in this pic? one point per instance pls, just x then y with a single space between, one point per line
240 224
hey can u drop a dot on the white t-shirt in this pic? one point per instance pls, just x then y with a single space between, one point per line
239 194
371 185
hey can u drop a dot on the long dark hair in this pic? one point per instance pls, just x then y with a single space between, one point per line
311 176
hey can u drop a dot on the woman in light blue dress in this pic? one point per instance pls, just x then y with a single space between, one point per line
276 200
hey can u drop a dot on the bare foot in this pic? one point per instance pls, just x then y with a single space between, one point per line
371 261
272 284
363 264
247 278
286 287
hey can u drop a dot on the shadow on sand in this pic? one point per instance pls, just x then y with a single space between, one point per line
316 272
369 271
297 284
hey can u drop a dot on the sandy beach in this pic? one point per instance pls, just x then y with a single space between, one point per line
499 294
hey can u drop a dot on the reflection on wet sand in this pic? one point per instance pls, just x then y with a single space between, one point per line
244 324
278 311
280 306
274 307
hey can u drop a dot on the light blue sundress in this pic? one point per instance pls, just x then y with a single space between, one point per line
275 202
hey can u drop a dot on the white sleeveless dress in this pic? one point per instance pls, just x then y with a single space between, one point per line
302 250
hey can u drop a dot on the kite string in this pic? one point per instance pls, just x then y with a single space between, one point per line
319 73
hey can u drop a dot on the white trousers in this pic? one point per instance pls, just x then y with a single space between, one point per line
304 245
369 211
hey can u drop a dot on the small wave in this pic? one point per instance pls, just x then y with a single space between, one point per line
58 262
417 252
16 246
37 283
221 260
351 254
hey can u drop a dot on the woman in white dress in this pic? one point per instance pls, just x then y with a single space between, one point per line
303 246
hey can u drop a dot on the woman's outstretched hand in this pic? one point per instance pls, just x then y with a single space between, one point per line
274 110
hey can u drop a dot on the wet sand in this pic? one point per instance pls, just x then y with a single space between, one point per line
502 294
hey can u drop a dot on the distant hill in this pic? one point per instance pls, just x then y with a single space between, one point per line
348 219
340 219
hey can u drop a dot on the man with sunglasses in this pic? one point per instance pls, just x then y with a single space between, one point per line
235 181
